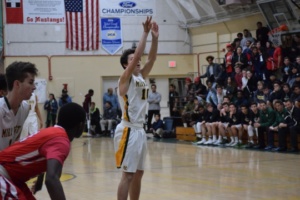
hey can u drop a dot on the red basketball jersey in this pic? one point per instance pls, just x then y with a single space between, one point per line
23 160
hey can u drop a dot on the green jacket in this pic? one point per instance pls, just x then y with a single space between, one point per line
267 117
280 116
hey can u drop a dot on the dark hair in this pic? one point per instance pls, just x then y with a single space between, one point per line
109 103
124 57
239 34
52 95
70 115
153 85
289 100
172 85
91 91
19 71
157 114
279 101
225 103
244 106
253 103
259 23
232 104
262 101
3 85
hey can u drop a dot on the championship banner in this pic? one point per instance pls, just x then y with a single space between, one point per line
111 34
133 8
44 12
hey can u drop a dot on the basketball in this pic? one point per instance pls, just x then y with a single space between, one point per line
283 27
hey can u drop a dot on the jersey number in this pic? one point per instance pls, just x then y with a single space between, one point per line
145 94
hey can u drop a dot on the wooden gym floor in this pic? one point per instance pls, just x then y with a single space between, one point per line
182 171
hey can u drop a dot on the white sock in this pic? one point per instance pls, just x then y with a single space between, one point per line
236 139
232 139
185 125
214 137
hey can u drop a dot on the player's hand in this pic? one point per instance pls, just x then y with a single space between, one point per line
32 189
154 30
147 24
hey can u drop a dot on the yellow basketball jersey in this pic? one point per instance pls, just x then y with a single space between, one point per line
134 103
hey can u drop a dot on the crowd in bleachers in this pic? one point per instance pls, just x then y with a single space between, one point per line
256 90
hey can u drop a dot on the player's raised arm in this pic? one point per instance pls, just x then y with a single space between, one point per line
153 51
134 60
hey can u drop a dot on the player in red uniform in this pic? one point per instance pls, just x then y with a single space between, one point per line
42 152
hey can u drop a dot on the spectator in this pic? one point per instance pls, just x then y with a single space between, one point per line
258 95
244 79
173 94
297 80
272 80
65 98
220 95
297 63
3 86
293 124
247 50
239 58
211 94
258 63
246 117
198 119
240 99
266 119
278 61
34 120
279 126
213 71
109 96
262 34
292 75
51 107
95 120
187 111
295 97
87 101
230 85
223 124
251 85
247 37
154 99
108 119
238 76
211 123
189 86
277 93
157 127
287 92
200 90
286 69
270 65
228 60
236 43
235 127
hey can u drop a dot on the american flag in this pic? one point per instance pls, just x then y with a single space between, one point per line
82 21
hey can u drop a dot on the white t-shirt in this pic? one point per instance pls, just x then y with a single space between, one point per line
11 124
